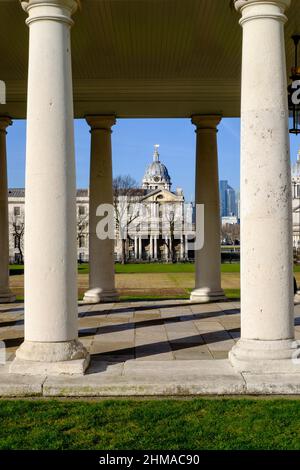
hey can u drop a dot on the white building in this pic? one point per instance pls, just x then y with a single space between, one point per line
230 219
154 239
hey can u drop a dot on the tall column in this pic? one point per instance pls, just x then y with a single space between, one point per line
5 293
102 263
267 330
186 247
181 248
135 247
51 344
140 248
166 247
155 246
151 247
208 259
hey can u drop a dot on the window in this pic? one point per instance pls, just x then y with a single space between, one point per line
17 211
81 210
81 241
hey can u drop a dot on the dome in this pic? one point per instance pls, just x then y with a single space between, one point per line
157 169
156 175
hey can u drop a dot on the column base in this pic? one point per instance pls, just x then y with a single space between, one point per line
205 295
7 297
98 295
39 358
258 356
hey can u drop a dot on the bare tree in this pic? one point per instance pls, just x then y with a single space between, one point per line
230 234
170 222
17 229
82 223
126 194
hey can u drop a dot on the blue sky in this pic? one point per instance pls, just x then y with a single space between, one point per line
133 141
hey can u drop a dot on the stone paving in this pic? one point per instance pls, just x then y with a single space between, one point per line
147 348
156 331
162 330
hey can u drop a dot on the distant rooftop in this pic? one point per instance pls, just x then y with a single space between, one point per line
16 192
20 192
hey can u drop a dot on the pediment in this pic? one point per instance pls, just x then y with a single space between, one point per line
162 195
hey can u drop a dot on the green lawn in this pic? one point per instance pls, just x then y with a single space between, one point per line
151 424
150 268
231 294
133 268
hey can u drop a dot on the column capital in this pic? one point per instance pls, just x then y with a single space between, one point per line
263 9
206 121
56 10
101 122
5 121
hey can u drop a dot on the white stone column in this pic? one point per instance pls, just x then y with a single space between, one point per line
151 247
135 247
181 248
267 329
51 331
166 248
208 259
186 247
140 248
155 246
5 293
102 263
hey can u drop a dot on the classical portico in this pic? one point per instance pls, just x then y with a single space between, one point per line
160 69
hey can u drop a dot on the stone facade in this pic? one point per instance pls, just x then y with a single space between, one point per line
152 242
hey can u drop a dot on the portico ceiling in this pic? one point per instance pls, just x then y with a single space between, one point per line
141 58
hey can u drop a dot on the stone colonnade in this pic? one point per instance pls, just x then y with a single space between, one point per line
51 344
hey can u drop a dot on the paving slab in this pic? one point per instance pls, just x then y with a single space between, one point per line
150 348
191 352
219 354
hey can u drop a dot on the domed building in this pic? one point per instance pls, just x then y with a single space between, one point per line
157 175
163 229
159 233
